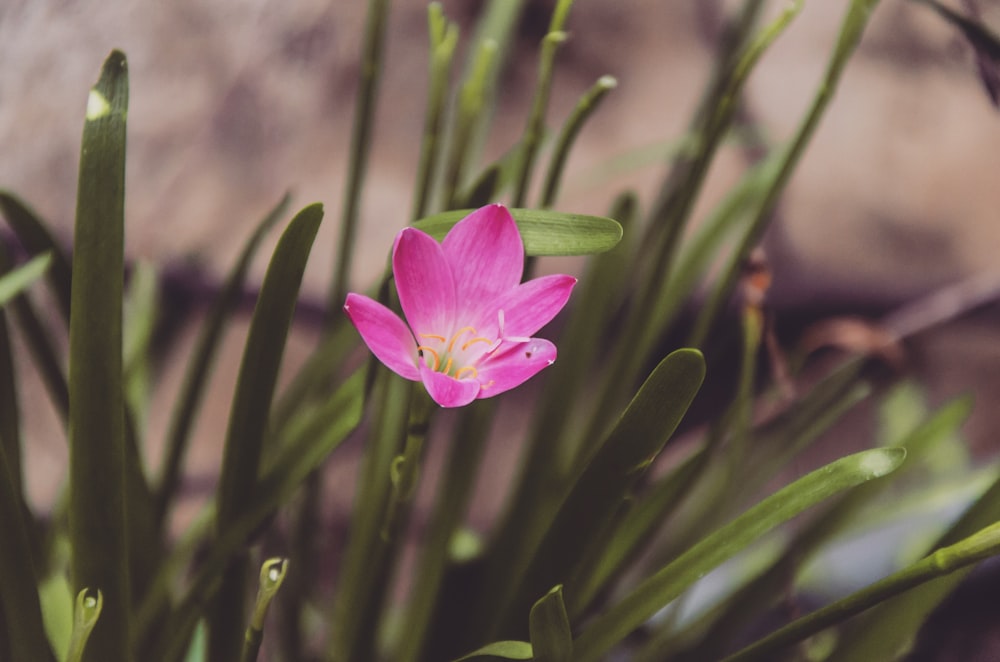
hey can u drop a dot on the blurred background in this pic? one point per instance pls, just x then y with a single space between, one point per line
233 102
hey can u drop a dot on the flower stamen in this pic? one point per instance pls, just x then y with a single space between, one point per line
475 340
437 357
433 336
461 371
458 334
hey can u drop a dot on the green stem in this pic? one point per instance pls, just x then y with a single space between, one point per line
272 574
364 119
468 446
444 39
585 107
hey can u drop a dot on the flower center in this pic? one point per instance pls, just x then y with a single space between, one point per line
447 355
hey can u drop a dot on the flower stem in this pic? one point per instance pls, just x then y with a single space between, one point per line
272 574
404 472
364 119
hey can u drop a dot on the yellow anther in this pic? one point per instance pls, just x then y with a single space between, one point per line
433 336
475 373
459 333
437 358
475 340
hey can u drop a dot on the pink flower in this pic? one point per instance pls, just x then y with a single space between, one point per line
469 318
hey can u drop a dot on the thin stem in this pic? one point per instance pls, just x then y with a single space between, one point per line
364 119
979 546
444 38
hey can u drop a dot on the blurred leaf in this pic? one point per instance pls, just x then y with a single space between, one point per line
660 589
942 562
56 596
889 628
984 42
140 316
248 416
551 639
20 279
21 608
596 497
36 239
202 358
507 650
98 467
543 232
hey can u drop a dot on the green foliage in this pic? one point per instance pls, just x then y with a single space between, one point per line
579 561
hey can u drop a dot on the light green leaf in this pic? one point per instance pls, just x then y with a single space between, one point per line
17 281
33 234
664 586
543 232
508 650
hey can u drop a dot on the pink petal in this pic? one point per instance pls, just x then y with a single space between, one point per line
387 336
514 366
448 391
485 252
527 307
424 282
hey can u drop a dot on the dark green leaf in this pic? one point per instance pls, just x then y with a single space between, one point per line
202 357
248 416
97 409
551 639
610 475
21 608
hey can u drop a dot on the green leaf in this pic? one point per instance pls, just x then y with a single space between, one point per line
248 416
33 234
17 281
202 358
597 496
543 232
507 650
97 512
664 586
551 639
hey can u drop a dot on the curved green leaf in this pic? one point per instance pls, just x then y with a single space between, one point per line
670 581
248 416
202 359
551 638
508 650
609 476
543 232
